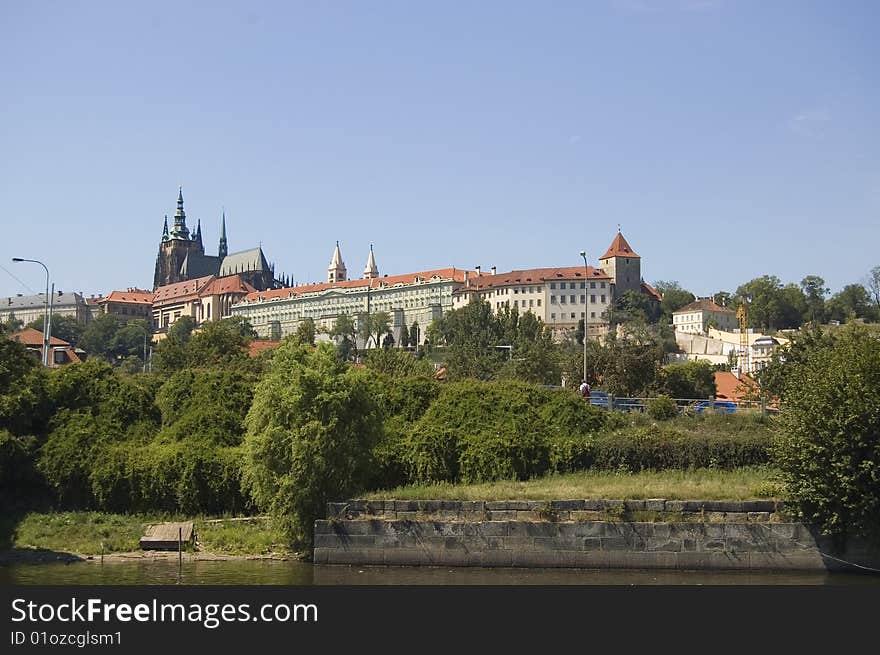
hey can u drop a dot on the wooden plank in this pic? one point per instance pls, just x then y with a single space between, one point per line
164 536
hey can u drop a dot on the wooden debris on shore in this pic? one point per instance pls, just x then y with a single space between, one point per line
164 536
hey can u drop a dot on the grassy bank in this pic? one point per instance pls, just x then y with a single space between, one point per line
747 483
83 533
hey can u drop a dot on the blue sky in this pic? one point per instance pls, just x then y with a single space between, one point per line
728 139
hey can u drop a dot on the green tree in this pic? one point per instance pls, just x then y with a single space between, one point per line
829 447
689 380
343 334
814 290
471 335
633 306
305 332
63 327
376 325
630 365
673 297
770 305
414 334
13 324
310 433
97 337
853 301
397 363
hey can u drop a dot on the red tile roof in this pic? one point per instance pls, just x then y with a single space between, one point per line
131 296
32 337
535 276
729 387
228 284
619 248
456 274
704 304
181 290
257 346
651 291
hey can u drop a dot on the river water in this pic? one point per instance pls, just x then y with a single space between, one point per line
273 572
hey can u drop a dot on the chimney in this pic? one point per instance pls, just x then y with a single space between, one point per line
478 270
494 270
466 276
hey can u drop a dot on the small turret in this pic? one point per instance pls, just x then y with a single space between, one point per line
371 271
336 271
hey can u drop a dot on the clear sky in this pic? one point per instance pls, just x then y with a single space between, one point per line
728 138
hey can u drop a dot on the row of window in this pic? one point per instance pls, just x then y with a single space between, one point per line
571 299
562 317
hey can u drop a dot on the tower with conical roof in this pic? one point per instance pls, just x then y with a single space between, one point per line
371 271
336 271
623 265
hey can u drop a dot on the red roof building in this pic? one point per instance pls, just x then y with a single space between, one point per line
61 352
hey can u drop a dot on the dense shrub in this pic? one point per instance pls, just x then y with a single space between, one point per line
310 434
398 363
177 477
662 408
829 446
478 431
668 447
688 380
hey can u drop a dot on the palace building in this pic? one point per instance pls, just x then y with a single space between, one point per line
409 298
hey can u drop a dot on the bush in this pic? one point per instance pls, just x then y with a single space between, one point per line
190 478
656 447
829 446
688 380
397 363
465 417
310 433
662 408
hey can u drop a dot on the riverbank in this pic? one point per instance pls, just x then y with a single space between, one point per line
746 483
40 537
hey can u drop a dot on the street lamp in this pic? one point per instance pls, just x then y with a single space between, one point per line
47 320
586 310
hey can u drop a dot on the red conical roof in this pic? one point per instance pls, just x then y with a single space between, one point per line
619 248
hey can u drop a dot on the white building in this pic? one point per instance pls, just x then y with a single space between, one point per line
563 296
700 315
560 297
30 308
409 298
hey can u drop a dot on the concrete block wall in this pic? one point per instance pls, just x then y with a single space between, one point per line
565 533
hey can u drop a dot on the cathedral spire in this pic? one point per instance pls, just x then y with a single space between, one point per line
165 236
371 271
223 250
180 231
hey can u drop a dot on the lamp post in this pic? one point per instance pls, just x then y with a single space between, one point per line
47 325
586 310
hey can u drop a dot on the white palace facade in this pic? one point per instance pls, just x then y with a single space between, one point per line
409 298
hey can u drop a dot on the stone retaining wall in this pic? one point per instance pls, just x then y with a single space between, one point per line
654 533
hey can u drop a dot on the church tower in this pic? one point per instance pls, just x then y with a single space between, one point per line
371 271
175 246
336 271
622 265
